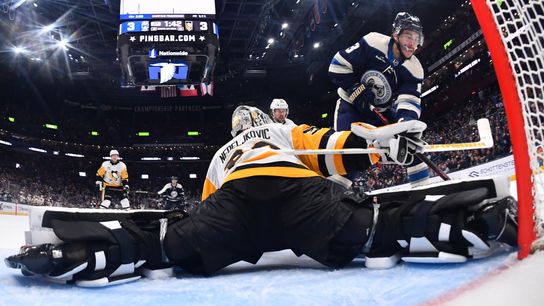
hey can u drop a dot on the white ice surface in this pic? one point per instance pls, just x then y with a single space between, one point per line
281 278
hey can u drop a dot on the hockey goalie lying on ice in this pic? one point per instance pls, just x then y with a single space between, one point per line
257 198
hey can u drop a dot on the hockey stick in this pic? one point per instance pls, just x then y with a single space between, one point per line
485 142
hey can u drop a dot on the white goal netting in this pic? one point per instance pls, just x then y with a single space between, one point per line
521 25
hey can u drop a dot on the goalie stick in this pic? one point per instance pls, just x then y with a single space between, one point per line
485 142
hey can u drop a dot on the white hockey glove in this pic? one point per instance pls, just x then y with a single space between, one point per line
403 139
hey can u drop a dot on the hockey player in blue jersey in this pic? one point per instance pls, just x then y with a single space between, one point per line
379 81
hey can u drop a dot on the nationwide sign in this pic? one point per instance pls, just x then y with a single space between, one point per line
153 53
173 53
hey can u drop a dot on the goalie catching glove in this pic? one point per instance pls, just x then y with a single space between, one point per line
451 222
402 139
98 249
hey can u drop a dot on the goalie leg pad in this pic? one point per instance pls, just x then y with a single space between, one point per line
98 248
434 224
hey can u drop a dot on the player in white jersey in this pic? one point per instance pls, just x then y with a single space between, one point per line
113 181
252 151
279 111
260 199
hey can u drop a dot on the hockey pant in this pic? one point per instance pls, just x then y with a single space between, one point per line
114 194
171 205
247 217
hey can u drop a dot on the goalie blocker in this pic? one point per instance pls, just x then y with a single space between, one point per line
450 222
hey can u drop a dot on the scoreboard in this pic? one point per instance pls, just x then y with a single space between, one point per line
167 42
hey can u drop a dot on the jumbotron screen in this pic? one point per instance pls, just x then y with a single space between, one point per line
160 9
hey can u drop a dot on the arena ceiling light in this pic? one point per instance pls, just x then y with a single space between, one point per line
63 44
19 50
7 143
467 67
51 126
270 41
192 175
145 176
427 92
37 150
150 158
189 158
317 45
82 174
74 155
285 25
48 28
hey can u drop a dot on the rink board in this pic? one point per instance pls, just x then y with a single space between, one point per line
280 278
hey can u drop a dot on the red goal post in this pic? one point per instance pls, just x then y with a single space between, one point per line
514 34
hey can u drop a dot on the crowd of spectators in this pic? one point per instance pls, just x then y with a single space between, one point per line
40 183
459 26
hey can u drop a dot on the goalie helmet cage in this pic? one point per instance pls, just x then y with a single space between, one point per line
514 33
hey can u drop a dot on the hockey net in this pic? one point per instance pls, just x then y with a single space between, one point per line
514 33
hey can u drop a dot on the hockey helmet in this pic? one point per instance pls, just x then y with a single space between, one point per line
174 178
279 104
407 21
245 117
114 152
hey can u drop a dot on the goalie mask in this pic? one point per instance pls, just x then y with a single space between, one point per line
407 21
245 117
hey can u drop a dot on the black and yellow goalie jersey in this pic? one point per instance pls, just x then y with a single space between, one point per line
255 153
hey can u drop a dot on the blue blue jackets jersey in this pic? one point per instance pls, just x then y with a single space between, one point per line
397 88
372 58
